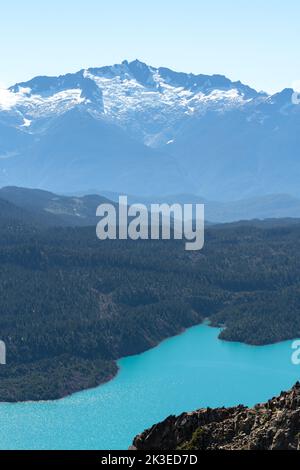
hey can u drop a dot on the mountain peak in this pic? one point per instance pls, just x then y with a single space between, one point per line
142 72
138 63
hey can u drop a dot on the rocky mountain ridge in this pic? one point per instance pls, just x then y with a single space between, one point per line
274 425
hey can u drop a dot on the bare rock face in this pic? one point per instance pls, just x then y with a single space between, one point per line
274 425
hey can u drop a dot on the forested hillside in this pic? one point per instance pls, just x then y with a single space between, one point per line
71 305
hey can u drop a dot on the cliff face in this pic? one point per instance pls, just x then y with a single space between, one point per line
274 425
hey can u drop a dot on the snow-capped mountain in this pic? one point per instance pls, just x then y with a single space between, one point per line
143 100
145 130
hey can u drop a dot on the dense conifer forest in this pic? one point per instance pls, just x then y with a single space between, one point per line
71 305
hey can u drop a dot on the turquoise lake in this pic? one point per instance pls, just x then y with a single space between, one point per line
184 373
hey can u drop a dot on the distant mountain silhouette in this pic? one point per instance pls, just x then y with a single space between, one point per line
35 206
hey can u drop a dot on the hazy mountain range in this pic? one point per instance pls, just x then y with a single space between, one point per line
149 131
43 207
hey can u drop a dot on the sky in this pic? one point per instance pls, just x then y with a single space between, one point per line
256 42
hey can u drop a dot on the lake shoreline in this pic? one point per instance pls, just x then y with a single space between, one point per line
80 387
190 371
104 380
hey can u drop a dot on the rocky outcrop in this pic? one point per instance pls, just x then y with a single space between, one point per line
274 425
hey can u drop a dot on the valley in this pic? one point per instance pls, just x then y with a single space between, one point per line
187 372
82 304
149 230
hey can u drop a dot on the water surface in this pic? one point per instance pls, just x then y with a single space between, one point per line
184 373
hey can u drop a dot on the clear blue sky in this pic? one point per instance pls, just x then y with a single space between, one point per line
256 41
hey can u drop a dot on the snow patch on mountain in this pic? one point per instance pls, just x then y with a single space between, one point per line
147 107
7 99
26 123
35 106
38 106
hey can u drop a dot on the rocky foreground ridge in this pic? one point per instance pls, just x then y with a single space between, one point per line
274 425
